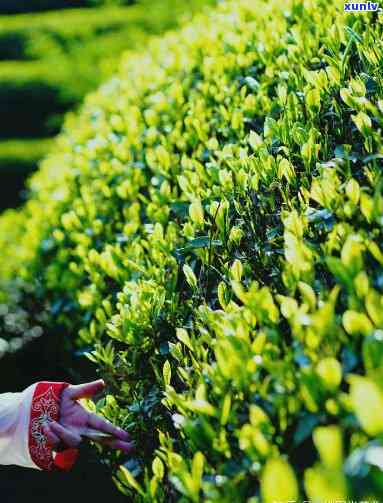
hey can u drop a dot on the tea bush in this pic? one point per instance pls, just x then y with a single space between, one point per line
211 225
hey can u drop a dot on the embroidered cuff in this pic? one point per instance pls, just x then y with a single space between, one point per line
45 408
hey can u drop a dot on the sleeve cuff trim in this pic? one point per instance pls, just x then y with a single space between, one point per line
45 408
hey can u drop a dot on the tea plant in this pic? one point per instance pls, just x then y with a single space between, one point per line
211 224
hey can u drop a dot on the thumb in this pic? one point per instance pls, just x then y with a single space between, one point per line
85 390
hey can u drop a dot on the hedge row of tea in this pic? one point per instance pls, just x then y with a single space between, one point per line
211 224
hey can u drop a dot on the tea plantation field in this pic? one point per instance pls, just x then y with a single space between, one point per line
208 232
50 60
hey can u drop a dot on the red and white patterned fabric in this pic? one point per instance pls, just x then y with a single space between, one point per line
22 416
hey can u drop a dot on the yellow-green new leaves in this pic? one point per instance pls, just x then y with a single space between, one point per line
253 441
226 407
367 402
126 477
189 482
308 295
196 213
254 140
363 123
374 307
355 323
328 441
236 270
183 336
313 101
158 468
190 276
236 235
286 170
353 191
326 481
278 482
323 484
296 252
167 373
197 471
330 373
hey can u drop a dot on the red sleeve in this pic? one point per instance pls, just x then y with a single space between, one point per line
46 407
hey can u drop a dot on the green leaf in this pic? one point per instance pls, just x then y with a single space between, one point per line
278 482
367 401
308 295
196 213
373 352
313 100
324 484
254 140
226 407
183 336
330 373
356 323
126 477
353 191
374 307
328 441
222 294
158 468
190 276
236 270
202 407
197 468
167 373
200 242
363 123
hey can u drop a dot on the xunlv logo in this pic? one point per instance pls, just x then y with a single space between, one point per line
367 6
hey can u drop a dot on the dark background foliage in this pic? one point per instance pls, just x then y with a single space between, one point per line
18 6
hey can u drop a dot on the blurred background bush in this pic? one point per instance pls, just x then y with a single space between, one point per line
50 59
19 6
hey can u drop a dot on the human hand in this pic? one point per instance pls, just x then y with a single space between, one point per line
75 420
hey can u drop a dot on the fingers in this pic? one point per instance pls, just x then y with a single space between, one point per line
127 447
87 390
68 437
98 423
52 438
